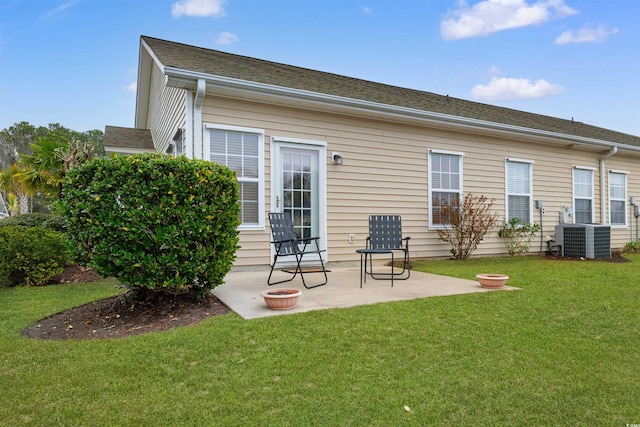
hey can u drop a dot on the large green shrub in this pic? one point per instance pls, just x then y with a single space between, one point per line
154 222
30 255
35 219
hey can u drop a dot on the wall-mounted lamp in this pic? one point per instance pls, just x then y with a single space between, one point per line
336 158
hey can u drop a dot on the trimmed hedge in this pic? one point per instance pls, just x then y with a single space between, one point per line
31 255
36 219
154 222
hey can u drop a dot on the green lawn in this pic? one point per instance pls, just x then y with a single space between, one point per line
565 350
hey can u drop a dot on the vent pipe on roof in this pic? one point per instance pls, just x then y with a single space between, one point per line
603 192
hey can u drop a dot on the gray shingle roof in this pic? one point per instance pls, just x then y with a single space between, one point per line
123 140
213 62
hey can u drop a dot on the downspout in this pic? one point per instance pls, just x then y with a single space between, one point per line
197 119
603 199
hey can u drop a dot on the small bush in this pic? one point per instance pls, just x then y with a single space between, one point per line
632 248
518 235
154 222
470 221
50 221
31 255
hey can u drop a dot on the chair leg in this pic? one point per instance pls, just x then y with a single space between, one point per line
406 267
270 283
324 271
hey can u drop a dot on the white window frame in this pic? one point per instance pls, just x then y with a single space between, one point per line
618 199
431 189
530 163
575 197
260 225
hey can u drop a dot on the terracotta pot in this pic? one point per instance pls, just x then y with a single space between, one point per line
281 299
492 281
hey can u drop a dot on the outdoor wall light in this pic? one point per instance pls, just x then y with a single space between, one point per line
336 158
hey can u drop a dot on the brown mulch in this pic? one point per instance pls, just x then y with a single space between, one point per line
615 257
116 317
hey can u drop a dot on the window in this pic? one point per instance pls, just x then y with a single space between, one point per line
519 189
178 143
242 151
617 198
583 195
445 185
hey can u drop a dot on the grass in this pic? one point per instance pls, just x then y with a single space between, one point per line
564 350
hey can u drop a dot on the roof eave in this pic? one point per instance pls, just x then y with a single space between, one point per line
187 79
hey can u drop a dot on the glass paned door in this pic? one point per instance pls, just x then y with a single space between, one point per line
299 189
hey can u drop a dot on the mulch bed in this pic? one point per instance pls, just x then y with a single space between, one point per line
116 317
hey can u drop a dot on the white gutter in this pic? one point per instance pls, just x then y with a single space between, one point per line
197 118
603 200
184 78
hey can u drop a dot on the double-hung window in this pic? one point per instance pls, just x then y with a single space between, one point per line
617 198
242 150
445 185
583 195
519 177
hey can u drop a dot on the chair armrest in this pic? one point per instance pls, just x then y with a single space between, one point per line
307 239
279 242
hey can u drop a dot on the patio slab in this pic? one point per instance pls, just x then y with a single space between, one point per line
241 290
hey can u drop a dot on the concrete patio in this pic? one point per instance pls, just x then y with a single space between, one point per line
241 291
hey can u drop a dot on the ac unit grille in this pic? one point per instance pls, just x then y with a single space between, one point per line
584 240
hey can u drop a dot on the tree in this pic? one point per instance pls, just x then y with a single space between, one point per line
16 140
45 154
17 190
470 221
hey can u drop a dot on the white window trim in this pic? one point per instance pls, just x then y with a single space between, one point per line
460 155
261 178
508 160
573 190
624 199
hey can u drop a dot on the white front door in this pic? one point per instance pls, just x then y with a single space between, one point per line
298 186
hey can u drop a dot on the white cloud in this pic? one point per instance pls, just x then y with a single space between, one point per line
494 71
366 10
490 16
509 89
586 34
227 38
131 87
198 8
55 12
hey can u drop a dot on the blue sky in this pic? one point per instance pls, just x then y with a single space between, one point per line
74 62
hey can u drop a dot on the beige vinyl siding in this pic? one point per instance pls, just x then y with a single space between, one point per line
621 235
167 111
385 172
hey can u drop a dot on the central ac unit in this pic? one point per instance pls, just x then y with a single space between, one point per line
584 240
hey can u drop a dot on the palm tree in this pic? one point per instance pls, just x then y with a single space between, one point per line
12 183
50 161
43 170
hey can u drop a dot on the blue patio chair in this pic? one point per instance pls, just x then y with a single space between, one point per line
385 234
287 244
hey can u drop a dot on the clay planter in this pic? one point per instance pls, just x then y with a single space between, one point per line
281 299
492 281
